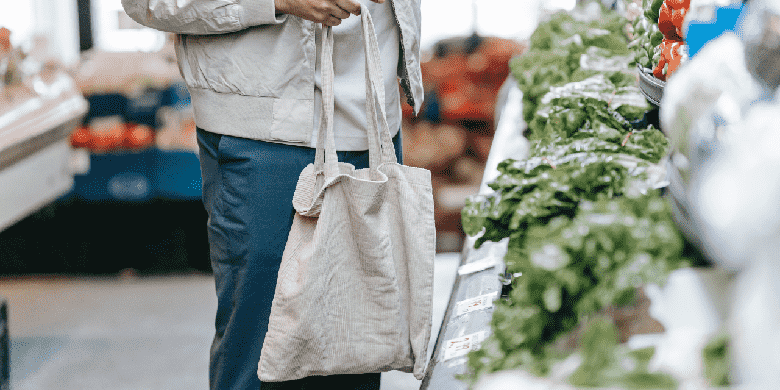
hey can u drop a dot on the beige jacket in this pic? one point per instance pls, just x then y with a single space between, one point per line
250 72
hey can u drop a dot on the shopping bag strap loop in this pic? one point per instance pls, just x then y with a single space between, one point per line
375 93
325 158
380 143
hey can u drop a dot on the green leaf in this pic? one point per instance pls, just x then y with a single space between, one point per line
717 365
655 7
598 343
552 298
656 38
473 215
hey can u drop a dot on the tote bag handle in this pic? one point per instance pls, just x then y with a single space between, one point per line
380 144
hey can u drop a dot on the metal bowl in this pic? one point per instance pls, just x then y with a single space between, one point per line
651 87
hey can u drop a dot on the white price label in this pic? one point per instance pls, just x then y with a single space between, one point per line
477 266
477 303
463 345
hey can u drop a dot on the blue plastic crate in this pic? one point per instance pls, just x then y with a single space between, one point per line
701 32
176 95
177 175
104 105
143 109
118 177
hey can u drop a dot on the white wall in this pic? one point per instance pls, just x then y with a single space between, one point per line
18 17
109 36
57 20
514 19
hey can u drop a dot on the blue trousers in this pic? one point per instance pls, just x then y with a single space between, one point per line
247 191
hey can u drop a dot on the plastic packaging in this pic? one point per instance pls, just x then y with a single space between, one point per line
761 33
721 112
598 87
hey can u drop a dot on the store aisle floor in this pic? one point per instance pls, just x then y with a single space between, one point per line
133 333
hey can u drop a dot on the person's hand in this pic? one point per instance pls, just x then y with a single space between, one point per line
327 12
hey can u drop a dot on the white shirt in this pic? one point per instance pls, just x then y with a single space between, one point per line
349 82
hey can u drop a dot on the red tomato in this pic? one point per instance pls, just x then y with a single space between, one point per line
678 17
666 24
679 4
138 136
81 137
109 139
670 59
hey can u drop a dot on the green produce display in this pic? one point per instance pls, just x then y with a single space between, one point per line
585 226
573 267
579 117
646 35
556 48
608 365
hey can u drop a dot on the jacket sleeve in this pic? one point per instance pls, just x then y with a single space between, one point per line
202 16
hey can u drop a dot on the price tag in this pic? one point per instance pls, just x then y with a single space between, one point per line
463 345
477 303
477 266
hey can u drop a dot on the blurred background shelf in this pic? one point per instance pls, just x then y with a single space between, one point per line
34 146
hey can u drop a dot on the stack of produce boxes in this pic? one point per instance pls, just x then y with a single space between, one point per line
452 135
583 212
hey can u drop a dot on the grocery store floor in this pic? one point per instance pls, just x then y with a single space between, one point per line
131 333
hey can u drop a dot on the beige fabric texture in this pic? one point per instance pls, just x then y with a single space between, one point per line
354 291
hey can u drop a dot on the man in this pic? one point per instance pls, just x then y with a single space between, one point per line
252 70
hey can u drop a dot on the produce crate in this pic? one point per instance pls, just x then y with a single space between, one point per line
176 175
176 95
104 105
127 177
142 109
140 176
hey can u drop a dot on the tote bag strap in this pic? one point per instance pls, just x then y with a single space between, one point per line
378 129
325 158
380 143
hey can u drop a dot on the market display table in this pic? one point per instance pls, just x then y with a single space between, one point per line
35 151
479 281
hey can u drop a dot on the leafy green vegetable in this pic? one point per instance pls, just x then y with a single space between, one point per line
605 364
574 267
649 145
646 37
578 234
655 10
532 192
555 51
598 343
571 116
716 361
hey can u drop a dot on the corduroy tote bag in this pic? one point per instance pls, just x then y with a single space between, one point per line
354 289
